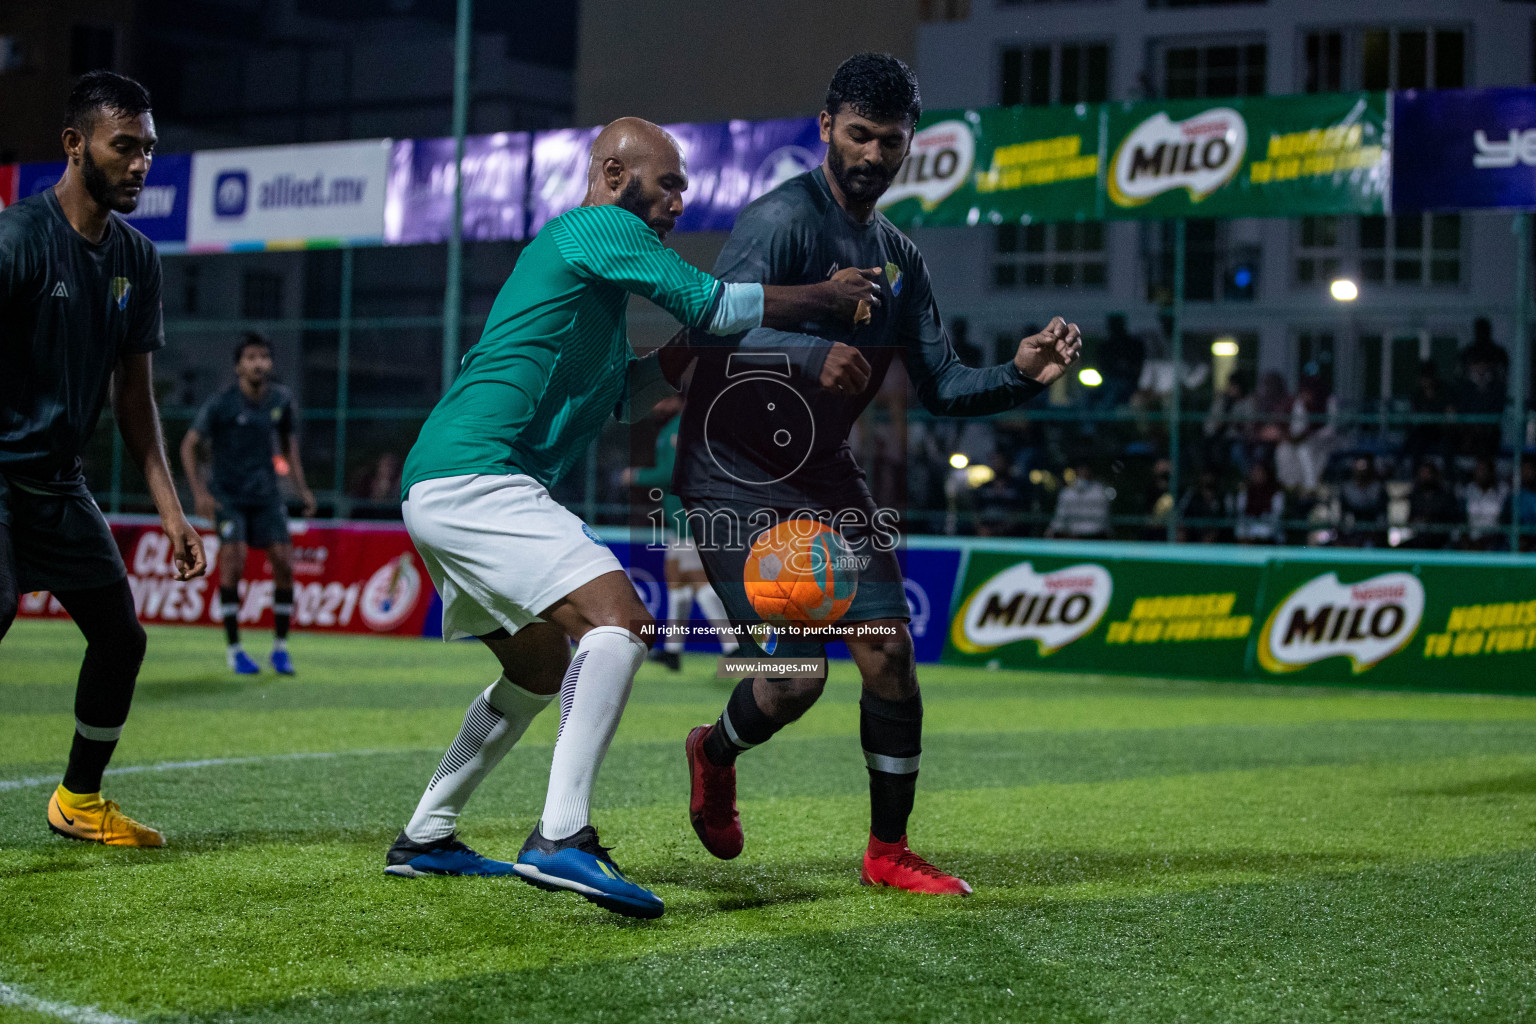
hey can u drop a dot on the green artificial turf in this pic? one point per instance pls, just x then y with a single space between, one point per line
1142 850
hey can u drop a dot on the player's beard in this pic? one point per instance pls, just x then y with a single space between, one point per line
102 190
631 199
862 183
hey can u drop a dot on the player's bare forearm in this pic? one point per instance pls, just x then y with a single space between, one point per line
296 467
133 404
838 298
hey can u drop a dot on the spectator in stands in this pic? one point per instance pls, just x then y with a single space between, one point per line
1481 392
999 501
1523 505
1301 457
1484 498
380 483
1228 424
1205 500
1427 438
1272 405
1121 358
1260 506
1157 502
1363 507
1082 508
1432 508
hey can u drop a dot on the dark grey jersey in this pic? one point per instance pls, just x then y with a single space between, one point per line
757 425
241 434
69 310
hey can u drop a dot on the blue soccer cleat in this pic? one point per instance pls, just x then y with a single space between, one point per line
242 663
410 859
281 663
581 865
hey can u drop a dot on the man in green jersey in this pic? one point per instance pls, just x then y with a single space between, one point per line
516 569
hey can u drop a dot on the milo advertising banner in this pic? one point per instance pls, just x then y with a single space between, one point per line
1004 164
1093 613
1252 157
1418 620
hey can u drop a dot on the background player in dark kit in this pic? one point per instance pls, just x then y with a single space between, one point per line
79 317
243 501
791 450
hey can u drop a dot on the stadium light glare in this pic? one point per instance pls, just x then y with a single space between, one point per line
1089 377
959 460
1344 290
1224 346
980 474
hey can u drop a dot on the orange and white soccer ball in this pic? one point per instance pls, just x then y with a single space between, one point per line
801 571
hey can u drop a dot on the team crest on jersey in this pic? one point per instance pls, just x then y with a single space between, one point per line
277 414
893 275
121 286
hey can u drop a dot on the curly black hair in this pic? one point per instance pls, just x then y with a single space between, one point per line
252 339
877 86
98 91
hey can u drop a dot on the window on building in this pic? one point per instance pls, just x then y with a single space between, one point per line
1414 249
1038 76
91 47
943 10
1216 267
1324 55
261 295
1314 356
1319 250
1214 70
1065 255
1412 58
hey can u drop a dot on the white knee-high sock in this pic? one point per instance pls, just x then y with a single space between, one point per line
714 610
679 604
494 723
592 698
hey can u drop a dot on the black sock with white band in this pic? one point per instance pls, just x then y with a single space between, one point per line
229 611
282 615
742 726
891 732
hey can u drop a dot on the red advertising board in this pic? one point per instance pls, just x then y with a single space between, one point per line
7 185
347 578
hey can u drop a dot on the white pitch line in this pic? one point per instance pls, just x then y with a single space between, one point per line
12 996
166 766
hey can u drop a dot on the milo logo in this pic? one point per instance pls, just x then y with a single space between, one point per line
939 163
1324 618
1053 609
1200 154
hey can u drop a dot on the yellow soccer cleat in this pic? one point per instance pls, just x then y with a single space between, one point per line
91 819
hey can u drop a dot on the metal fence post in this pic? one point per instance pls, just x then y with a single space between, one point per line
1519 368
343 384
453 290
1176 403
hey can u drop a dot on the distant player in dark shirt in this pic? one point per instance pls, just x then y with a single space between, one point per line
764 438
79 317
242 500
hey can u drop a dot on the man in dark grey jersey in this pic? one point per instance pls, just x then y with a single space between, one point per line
764 439
239 425
79 317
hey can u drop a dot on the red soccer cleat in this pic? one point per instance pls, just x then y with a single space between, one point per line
895 865
712 799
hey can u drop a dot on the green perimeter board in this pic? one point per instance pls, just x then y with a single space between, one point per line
1095 614
1000 165
1254 157
1398 624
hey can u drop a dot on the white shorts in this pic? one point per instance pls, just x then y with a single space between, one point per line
681 549
500 550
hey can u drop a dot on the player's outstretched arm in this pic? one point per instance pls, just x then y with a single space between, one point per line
192 465
133 403
837 298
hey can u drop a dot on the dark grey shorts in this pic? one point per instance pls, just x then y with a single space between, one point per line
261 525
62 541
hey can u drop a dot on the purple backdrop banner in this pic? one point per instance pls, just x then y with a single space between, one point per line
730 163
418 205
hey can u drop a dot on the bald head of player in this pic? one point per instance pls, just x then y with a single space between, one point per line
636 165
